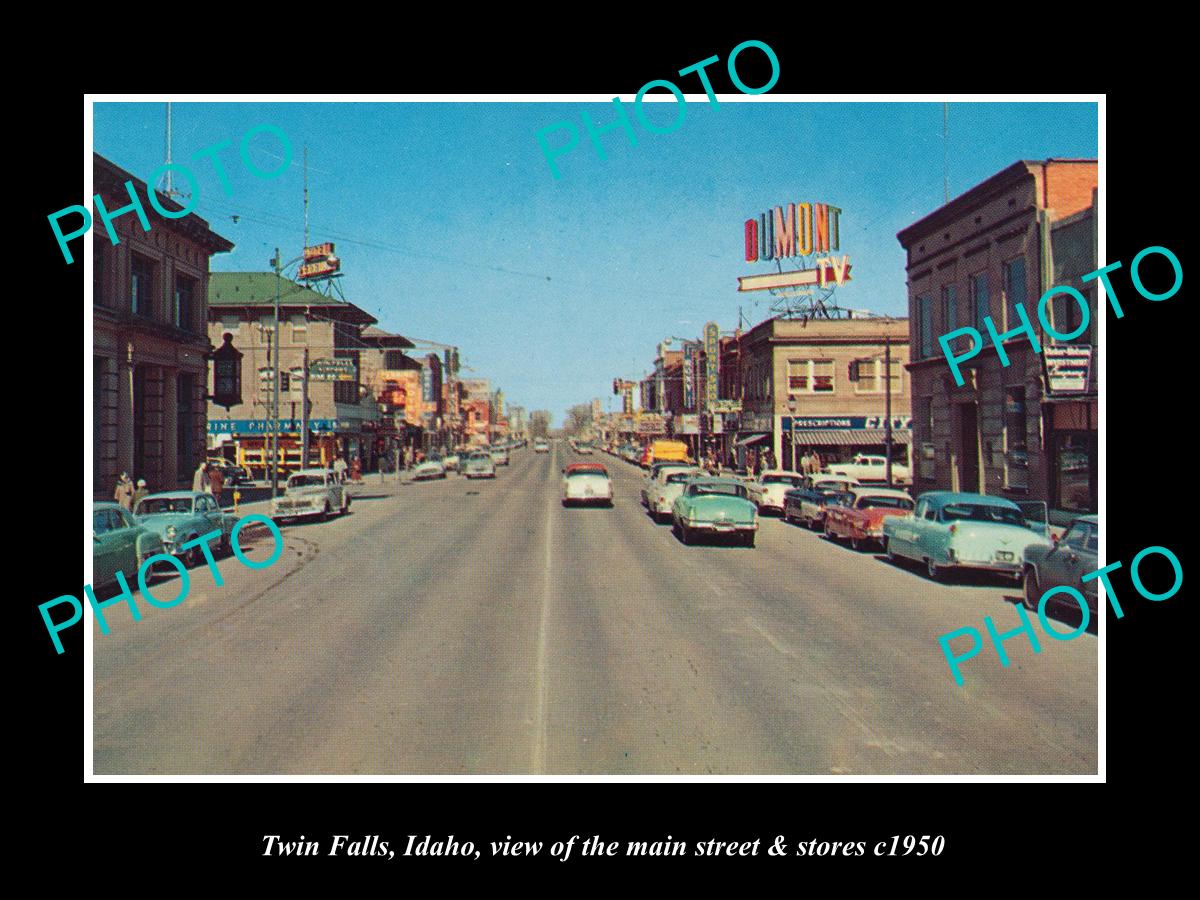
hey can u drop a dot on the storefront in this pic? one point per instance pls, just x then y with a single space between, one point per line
839 438
248 443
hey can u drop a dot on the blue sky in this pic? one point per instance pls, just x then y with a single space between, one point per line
451 227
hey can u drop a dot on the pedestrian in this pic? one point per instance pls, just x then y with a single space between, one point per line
124 492
339 468
816 462
806 464
200 478
141 492
216 483
356 470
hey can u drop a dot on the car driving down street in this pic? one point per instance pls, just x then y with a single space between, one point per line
586 483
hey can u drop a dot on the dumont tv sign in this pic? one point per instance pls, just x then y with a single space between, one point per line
796 230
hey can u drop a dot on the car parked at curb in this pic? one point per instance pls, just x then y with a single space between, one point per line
712 506
433 467
666 488
949 530
806 504
181 516
1064 564
586 483
859 518
651 478
120 543
499 455
768 489
311 493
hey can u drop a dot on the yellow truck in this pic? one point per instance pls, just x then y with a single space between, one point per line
669 451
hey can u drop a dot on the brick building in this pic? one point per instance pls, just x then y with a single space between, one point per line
819 384
1022 431
150 338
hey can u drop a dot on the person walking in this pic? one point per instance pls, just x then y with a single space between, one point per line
339 469
816 462
141 492
806 463
200 477
216 483
124 492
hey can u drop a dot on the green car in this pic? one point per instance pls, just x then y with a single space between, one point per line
714 506
119 544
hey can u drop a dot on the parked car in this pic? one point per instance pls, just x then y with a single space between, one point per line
950 530
714 506
180 516
451 461
120 543
807 503
586 483
768 490
479 464
541 446
666 488
432 467
1065 563
866 467
860 518
232 473
499 455
584 448
656 469
311 493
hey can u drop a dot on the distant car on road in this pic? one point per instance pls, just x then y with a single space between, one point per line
949 530
451 461
1065 563
865 467
584 448
714 506
768 490
586 483
860 518
181 516
541 446
311 492
479 465
120 543
433 467
500 455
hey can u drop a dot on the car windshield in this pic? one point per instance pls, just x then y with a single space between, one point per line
733 490
884 502
299 481
156 506
590 470
780 479
679 477
478 457
980 512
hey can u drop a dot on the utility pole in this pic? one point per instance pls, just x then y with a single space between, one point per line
304 413
275 378
887 381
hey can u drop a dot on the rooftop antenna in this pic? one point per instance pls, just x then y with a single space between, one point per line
166 184
306 195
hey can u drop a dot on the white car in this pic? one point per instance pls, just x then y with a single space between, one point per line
431 468
541 447
451 461
586 483
865 467
667 485
311 492
768 489
652 477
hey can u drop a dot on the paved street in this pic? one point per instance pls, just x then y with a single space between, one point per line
465 627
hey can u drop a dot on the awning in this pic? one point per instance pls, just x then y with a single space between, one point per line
752 439
850 437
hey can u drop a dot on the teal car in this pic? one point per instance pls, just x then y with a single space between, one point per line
714 506
120 543
180 516
949 530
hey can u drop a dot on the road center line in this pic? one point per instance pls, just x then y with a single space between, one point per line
539 717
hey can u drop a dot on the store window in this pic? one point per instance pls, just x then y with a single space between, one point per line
1016 456
1075 471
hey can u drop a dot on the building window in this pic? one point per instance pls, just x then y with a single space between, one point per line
925 325
345 392
810 376
185 424
979 300
100 296
1014 291
299 328
231 323
949 308
185 294
1016 453
1068 316
873 372
141 286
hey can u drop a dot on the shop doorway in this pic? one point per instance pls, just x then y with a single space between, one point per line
968 454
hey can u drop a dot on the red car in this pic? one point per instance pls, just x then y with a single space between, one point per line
861 518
